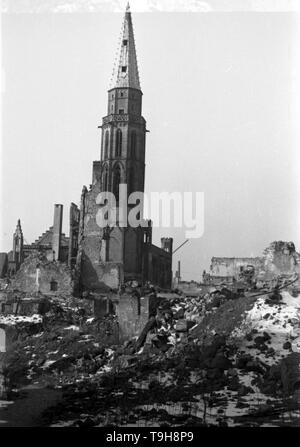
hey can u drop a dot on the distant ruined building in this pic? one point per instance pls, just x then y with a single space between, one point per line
100 258
53 244
279 258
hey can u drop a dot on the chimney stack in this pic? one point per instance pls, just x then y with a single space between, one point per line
57 227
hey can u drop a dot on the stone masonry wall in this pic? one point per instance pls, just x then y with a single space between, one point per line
231 266
281 258
133 313
39 274
278 258
94 272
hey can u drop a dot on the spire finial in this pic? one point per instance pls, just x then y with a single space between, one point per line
128 7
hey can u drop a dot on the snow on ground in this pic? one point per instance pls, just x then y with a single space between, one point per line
48 363
11 320
281 321
109 352
90 320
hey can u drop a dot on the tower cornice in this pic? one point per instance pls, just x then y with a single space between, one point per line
125 88
123 118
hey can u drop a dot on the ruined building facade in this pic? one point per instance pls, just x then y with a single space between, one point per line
101 258
53 243
279 258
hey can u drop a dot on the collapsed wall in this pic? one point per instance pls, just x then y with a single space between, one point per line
133 313
279 258
223 267
37 274
94 269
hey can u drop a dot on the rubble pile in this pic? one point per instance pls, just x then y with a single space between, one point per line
68 345
231 373
216 359
178 316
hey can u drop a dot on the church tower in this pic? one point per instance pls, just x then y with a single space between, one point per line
18 246
123 128
111 256
122 161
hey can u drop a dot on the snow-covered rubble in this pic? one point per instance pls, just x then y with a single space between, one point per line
11 320
280 321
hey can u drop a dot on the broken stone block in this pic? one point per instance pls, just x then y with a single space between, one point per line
179 314
181 326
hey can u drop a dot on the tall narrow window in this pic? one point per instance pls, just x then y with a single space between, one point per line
106 143
133 144
131 181
105 180
119 143
53 285
116 182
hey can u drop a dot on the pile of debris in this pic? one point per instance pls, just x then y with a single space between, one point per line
214 359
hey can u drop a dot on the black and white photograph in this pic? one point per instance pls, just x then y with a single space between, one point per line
150 217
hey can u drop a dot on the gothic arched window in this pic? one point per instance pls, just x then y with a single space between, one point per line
116 181
133 144
106 143
119 143
105 179
131 181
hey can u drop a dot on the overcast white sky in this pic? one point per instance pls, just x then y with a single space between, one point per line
221 100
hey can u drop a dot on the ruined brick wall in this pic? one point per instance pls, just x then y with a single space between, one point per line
3 264
93 273
224 267
8 335
133 246
278 258
281 258
101 261
133 314
159 267
2 340
73 234
53 277
100 276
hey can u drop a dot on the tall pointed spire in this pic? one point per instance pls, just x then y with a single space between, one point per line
18 245
126 72
18 228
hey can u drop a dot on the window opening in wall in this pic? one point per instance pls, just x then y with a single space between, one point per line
106 143
53 286
116 182
138 305
118 151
